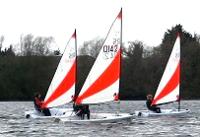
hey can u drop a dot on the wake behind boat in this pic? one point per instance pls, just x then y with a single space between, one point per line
62 87
102 83
168 89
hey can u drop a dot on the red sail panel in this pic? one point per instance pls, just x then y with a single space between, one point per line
107 78
170 86
64 86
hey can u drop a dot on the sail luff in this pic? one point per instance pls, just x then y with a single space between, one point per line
179 97
120 14
76 79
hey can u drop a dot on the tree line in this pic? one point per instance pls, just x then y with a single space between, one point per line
30 69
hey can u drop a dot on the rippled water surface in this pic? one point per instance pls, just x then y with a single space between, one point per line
13 123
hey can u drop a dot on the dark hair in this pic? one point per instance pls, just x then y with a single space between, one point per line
37 94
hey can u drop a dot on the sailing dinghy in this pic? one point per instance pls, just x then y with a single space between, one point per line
168 90
102 83
62 88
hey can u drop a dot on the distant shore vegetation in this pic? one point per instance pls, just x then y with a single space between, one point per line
29 67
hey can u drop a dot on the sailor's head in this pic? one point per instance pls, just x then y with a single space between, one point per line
37 94
149 96
74 97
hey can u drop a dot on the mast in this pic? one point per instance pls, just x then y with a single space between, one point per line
179 99
76 65
179 104
120 60
120 73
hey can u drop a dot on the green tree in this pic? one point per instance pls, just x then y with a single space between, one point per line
131 81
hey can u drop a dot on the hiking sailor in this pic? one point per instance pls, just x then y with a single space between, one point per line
150 106
38 105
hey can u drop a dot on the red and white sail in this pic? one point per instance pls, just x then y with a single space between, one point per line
62 87
168 89
102 83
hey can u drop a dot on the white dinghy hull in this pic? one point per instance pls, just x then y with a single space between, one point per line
98 118
164 112
55 113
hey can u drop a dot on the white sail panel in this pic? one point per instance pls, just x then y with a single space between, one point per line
62 89
106 69
171 78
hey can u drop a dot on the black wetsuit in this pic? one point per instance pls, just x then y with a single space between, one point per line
77 109
38 104
152 107
81 110
86 111
46 112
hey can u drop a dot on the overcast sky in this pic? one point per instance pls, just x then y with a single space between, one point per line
144 20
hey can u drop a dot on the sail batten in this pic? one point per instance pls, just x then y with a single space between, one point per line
102 83
62 87
168 88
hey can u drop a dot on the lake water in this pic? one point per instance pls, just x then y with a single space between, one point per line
13 123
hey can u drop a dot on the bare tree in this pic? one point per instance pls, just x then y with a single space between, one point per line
26 45
41 45
91 47
35 46
1 41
